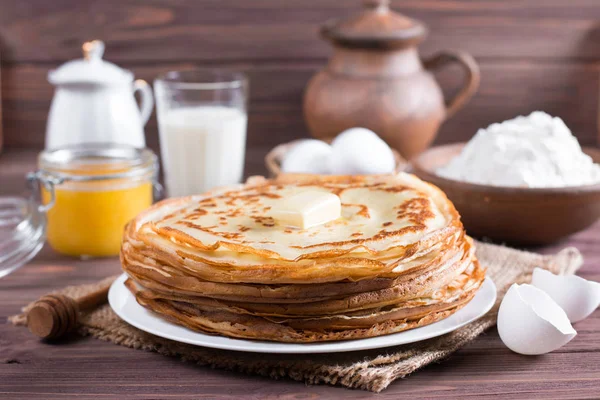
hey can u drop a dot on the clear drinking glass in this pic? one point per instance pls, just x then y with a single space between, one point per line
202 121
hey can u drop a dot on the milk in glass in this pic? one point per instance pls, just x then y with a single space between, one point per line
202 147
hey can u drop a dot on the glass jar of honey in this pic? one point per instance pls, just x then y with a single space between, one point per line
90 192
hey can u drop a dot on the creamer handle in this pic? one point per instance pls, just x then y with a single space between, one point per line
471 84
147 99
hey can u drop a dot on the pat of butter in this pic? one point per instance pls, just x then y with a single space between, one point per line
307 209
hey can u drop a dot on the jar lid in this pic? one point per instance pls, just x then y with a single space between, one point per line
376 27
91 69
22 232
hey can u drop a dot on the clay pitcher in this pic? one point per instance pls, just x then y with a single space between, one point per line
376 79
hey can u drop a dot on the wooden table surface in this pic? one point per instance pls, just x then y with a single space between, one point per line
90 368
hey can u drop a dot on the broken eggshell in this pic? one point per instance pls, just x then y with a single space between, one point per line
577 296
531 323
309 156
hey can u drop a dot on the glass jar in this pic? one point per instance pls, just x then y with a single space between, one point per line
90 192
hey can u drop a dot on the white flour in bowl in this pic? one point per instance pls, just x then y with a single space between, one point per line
536 151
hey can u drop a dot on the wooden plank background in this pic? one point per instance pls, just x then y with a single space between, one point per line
533 54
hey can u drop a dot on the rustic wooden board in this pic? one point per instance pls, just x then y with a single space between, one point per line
507 89
534 55
89 368
209 30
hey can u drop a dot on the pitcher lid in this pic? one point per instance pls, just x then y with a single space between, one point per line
91 69
377 26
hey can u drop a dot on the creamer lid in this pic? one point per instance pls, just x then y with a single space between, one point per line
377 26
91 69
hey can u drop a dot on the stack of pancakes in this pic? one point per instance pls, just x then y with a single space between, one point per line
397 259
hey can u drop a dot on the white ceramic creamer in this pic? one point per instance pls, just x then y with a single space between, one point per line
94 103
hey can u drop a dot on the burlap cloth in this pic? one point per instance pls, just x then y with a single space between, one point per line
370 370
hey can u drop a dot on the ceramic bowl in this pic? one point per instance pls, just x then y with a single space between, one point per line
276 155
513 215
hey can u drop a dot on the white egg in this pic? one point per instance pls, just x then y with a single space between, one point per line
530 322
309 156
359 151
577 296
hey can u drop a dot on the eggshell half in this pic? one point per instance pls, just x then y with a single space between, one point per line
577 296
309 156
530 322
359 151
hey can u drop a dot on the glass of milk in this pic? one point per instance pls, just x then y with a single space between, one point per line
202 121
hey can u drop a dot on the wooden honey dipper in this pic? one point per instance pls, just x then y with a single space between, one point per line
54 315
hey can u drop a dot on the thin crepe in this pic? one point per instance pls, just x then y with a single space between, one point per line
217 263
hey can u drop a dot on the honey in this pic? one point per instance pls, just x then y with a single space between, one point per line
91 193
90 223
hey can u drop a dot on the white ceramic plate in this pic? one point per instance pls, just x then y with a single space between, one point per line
126 307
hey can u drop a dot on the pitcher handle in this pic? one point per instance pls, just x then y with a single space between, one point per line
471 83
147 99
